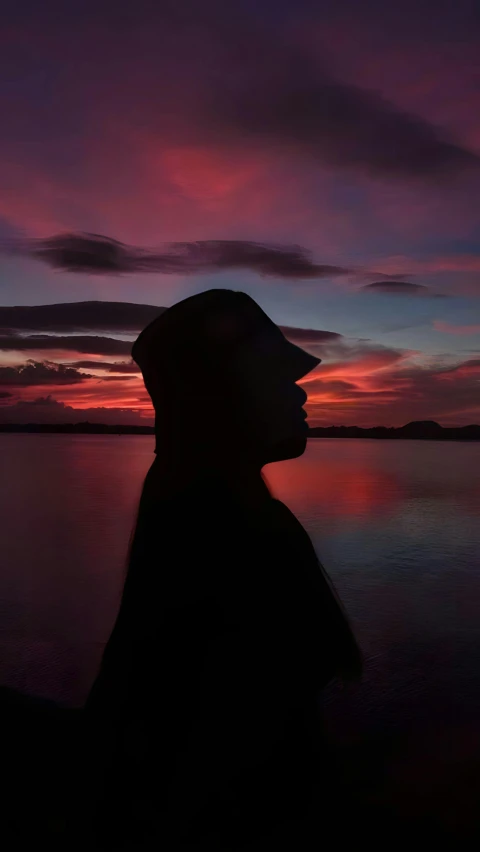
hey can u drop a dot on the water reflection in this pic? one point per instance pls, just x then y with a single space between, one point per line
396 524
338 486
363 477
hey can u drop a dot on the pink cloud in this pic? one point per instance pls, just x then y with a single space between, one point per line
377 387
403 265
448 328
396 395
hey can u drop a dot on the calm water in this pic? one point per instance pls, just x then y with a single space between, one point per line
397 525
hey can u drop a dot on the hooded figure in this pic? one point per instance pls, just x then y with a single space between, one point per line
203 717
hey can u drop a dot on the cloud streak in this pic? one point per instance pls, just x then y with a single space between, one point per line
34 373
358 382
107 366
300 105
77 317
96 254
401 288
41 373
87 344
312 339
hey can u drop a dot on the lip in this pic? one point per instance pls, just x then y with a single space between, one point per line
304 424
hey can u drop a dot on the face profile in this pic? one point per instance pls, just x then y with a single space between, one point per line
274 413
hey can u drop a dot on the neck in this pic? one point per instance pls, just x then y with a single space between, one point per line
247 483
242 476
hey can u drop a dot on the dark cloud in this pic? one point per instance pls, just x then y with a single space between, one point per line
116 317
328 344
5 395
49 373
89 344
41 373
335 348
209 76
49 410
97 254
113 378
107 366
473 365
281 96
401 288
321 343
309 336
77 317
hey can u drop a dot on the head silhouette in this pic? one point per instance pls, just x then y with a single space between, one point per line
222 378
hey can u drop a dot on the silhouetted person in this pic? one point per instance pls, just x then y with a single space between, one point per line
203 718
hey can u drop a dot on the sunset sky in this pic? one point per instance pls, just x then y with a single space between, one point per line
323 157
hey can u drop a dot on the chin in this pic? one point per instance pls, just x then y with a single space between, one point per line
290 448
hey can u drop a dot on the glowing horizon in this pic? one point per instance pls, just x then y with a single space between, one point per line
327 162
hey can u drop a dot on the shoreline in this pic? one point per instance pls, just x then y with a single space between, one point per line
421 430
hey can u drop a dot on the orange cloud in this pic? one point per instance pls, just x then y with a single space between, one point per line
396 395
358 382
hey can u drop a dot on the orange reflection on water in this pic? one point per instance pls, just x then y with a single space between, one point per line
336 486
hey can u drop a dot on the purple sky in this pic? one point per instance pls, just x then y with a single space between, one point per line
323 157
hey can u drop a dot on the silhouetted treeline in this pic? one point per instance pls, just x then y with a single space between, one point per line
84 428
419 429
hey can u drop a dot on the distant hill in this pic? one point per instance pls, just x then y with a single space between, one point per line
418 429
427 430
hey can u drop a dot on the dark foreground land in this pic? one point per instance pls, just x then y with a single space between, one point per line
387 790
